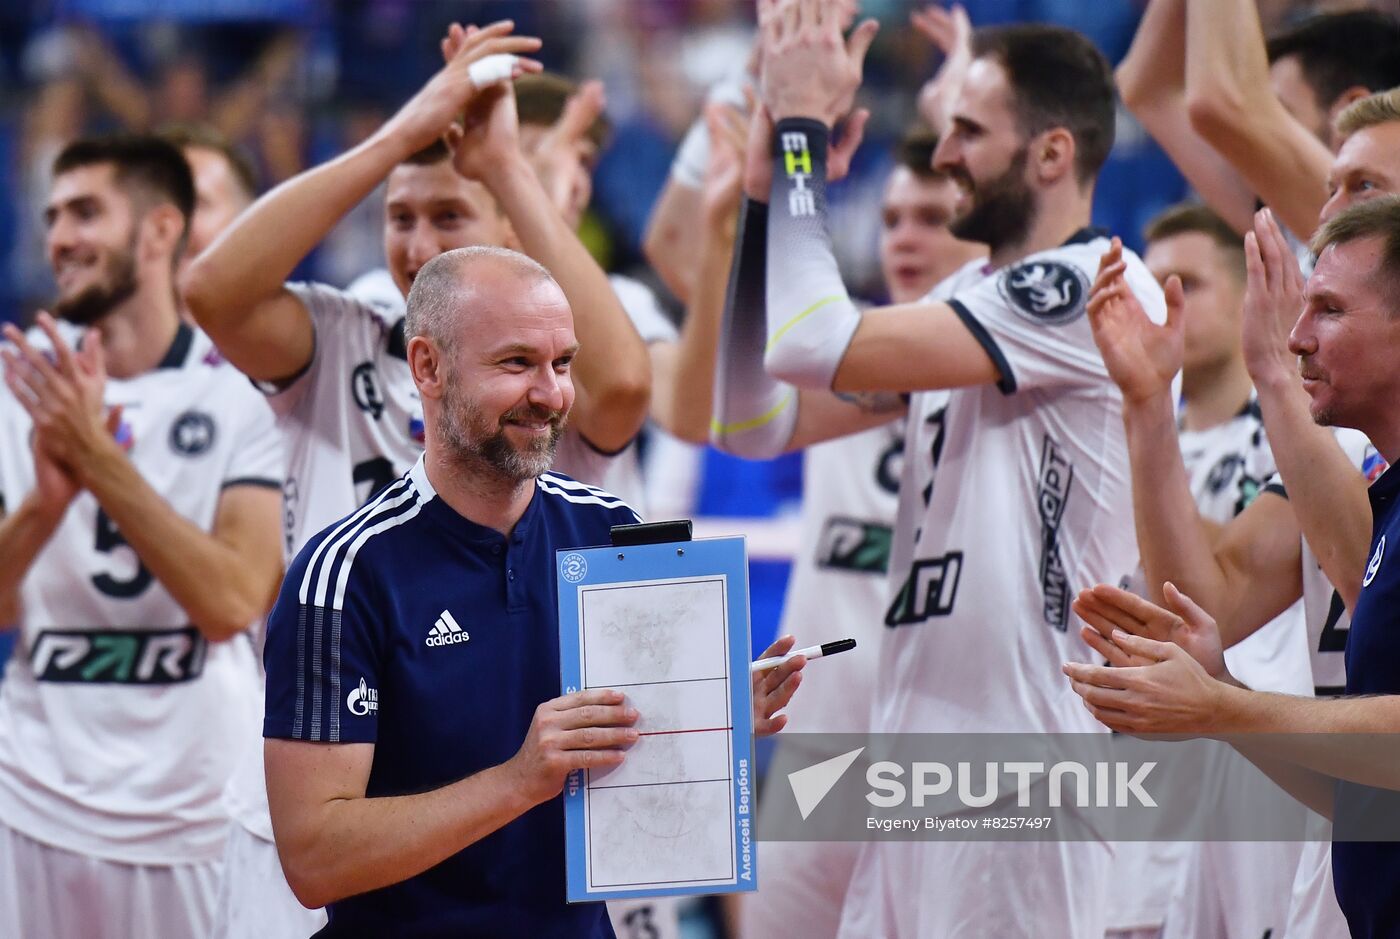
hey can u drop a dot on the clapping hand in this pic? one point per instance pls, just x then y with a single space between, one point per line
951 32
1142 357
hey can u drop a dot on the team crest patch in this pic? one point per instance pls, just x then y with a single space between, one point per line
364 385
1048 293
192 433
1374 566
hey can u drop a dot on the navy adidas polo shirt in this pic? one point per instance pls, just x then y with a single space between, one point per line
1367 873
409 627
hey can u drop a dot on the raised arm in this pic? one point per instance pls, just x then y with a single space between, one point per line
1233 107
683 372
235 288
1325 491
1152 83
612 373
1250 571
335 842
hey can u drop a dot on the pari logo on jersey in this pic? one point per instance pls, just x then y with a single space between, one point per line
1374 567
118 657
363 701
1049 293
445 631
849 544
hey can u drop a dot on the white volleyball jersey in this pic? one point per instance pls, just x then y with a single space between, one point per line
839 586
116 715
1013 498
1328 621
1227 466
353 420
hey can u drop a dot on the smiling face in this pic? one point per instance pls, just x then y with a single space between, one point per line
503 386
1366 166
92 243
1348 337
431 208
985 153
917 247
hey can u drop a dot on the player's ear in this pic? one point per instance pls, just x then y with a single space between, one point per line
160 231
425 361
1052 155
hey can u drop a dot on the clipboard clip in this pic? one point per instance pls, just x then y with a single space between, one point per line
627 536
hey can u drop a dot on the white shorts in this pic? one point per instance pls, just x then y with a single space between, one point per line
801 888
254 899
55 894
1314 913
1234 888
649 918
976 889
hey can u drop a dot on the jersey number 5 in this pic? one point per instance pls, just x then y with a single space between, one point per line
110 539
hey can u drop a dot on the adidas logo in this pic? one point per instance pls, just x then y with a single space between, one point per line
446 632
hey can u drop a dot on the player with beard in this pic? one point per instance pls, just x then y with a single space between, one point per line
1012 492
849 502
336 367
438 814
142 477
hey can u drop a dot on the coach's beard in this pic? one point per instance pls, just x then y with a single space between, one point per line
463 430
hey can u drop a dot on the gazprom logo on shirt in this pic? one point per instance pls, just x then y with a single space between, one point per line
363 700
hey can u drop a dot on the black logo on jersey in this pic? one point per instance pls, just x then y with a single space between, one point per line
289 513
930 590
1048 293
192 434
114 657
891 465
851 545
364 385
1052 493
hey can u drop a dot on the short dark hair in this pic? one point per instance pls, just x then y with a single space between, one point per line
1059 78
1186 218
204 137
1374 218
140 161
915 152
1337 51
540 100
434 152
